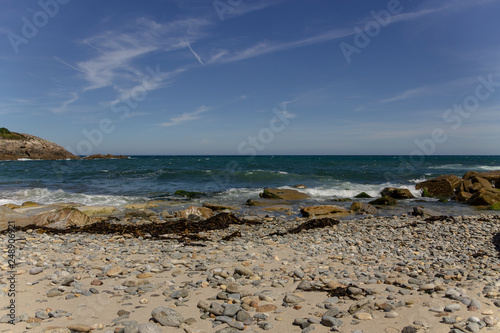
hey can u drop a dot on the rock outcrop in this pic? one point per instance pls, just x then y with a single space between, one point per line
105 157
442 187
474 188
15 146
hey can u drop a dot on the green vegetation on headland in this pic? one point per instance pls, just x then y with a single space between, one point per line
6 134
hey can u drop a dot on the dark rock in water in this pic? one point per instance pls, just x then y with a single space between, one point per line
188 194
441 187
105 157
485 197
363 195
266 202
283 194
363 208
384 201
15 146
397 193
299 186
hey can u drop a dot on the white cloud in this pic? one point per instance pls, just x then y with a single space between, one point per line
266 47
186 117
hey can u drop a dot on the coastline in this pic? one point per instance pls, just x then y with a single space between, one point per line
371 274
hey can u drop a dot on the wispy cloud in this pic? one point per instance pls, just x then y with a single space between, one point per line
266 47
117 52
73 98
406 94
186 117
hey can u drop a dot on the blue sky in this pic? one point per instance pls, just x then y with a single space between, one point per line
253 77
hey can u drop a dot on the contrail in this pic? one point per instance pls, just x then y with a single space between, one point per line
195 54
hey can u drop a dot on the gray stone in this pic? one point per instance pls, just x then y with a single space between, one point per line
149 328
473 327
167 316
35 270
331 321
42 315
131 328
231 310
449 320
242 316
452 307
293 299
266 326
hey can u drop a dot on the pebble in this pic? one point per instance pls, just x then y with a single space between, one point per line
35 270
372 268
167 316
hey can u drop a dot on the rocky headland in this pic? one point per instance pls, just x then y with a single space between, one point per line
16 146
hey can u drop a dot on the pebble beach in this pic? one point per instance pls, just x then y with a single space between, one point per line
392 274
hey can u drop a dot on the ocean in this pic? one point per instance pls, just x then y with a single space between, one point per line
227 179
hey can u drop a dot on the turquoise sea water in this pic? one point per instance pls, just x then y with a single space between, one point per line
222 178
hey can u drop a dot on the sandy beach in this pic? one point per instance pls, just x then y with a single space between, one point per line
367 274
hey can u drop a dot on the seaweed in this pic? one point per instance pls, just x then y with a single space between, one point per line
184 228
308 225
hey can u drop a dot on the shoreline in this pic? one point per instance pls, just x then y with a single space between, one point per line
371 271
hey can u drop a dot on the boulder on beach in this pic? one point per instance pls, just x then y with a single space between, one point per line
203 212
384 201
442 187
397 193
363 195
16 146
284 194
485 197
363 208
54 216
97 211
63 218
324 211
424 212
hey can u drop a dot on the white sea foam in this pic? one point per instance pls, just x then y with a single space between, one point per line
487 168
46 196
350 190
